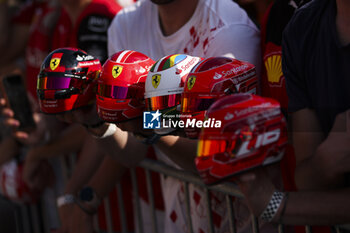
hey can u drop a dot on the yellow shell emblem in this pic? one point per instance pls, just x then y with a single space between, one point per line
54 63
273 66
116 71
190 82
156 80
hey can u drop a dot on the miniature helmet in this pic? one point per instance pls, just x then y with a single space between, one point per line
165 81
165 84
67 80
253 133
212 79
121 86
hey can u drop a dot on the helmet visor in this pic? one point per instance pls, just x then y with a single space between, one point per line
163 102
191 103
117 92
53 83
57 82
231 144
210 147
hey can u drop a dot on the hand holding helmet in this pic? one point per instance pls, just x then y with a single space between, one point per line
121 86
253 133
210 80
67 81
165 83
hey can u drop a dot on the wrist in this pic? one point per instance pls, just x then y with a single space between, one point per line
103 131
88 200
148 139
275 207
280 213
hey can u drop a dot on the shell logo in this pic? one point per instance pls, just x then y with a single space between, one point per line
273 65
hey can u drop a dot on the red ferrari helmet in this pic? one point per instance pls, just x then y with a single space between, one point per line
212 79
253 133
121 86
67 80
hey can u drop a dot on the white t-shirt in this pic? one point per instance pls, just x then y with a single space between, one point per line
217 28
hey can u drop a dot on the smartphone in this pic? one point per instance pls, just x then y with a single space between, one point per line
16 97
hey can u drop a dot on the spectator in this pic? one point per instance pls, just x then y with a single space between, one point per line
315 72
82 24
273 81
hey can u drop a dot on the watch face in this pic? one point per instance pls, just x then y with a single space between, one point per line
86 194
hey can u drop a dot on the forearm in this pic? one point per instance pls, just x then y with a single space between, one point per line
181 151
317 208
70 140
122 146
326 167
89 161
106 177
321 162
311 174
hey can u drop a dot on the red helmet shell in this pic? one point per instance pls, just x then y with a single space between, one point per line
67 80
121 86
212 79
253 133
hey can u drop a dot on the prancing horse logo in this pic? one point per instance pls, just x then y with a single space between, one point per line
190 82
156 80
116 71
54 63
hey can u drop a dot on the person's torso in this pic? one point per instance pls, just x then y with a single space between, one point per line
194 38
324 62
90 30
44 20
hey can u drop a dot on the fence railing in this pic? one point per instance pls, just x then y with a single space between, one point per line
31 218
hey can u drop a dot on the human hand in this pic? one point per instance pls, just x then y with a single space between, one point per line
65 214
8 115
257 189
28 138
75 220
85 116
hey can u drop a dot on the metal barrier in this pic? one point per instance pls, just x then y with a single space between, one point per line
229 189
32 217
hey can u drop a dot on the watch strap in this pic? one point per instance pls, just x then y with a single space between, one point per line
65 199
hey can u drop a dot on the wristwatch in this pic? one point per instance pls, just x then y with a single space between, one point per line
65 199
88 200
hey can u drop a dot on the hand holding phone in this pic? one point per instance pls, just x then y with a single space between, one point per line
17 100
